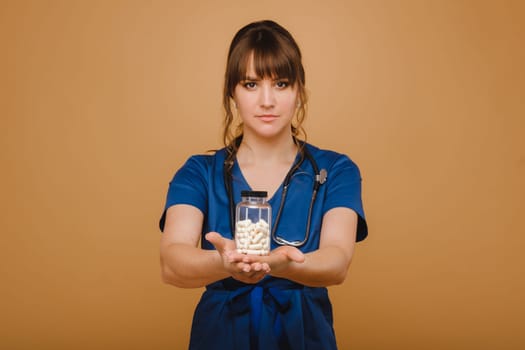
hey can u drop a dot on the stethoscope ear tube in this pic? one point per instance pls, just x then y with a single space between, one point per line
228 185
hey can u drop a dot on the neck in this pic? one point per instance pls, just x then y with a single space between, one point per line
265 151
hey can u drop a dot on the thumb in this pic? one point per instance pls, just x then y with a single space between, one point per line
295 255
216 239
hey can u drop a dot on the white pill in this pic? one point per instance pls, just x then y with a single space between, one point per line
257 237
252 238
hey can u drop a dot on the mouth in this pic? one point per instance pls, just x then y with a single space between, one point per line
267 117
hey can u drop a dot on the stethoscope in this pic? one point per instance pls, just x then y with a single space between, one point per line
320 178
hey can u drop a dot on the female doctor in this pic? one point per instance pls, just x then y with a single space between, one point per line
278 301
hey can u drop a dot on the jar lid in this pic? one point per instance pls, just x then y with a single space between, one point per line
258 194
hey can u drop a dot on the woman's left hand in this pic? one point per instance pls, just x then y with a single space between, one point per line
279 258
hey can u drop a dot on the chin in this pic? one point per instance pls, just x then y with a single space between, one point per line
272 134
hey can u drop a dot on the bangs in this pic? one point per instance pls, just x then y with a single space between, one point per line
273 58
272 63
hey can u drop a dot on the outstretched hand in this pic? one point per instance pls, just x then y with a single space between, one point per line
279 258
234 263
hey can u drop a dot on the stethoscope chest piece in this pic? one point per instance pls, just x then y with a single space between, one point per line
322 176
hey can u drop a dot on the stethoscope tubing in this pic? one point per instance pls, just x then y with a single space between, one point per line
320 178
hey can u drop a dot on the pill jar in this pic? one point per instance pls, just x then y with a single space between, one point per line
253 223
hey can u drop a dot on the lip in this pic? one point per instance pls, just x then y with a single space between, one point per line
267 117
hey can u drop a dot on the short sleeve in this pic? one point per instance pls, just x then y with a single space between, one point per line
344 190
188 186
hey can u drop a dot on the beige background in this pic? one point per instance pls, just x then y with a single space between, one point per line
101 101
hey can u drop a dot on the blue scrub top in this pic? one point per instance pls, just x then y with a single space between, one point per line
275 313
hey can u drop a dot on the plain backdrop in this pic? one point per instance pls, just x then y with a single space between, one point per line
102 101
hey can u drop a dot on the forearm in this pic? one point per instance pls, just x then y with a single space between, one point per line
190 267
323 267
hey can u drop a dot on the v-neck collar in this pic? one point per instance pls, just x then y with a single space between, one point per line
238 171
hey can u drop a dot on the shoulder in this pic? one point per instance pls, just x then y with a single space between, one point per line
200 166
205 161
332 160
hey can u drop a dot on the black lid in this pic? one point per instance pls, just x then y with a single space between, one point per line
259 194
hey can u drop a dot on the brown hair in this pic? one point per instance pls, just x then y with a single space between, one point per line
275 55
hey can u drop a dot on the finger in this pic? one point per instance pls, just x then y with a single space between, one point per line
216 239
235 256
252 259
295 255
242 267
265 268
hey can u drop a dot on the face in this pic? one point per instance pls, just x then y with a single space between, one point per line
266 106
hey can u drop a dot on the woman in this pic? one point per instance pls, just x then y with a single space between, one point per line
277 301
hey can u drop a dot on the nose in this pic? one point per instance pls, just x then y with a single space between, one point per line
267 95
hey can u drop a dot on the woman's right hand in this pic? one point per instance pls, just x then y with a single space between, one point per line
233 261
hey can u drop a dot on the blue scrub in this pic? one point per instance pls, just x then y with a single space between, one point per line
274 313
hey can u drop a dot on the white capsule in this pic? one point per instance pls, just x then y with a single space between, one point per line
263 223
244 223
257 238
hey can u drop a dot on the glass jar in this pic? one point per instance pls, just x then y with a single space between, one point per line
253 223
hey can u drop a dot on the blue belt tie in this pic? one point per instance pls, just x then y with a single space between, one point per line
262 302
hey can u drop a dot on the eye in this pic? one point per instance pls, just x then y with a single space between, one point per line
282 84
250 85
